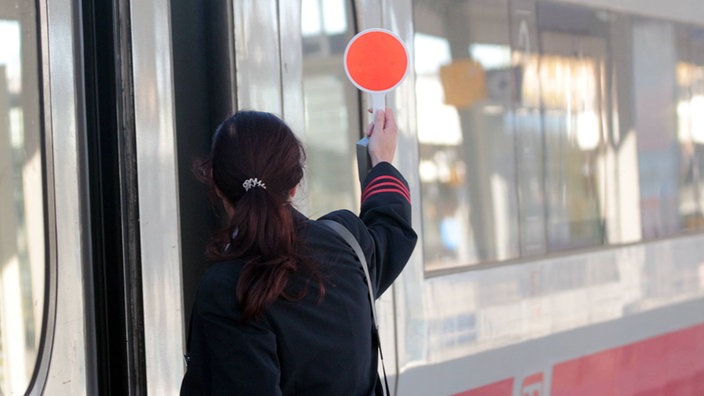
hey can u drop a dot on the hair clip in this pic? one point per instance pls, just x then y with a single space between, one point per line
251 183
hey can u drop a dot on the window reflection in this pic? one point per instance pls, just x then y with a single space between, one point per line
21 202
331 107
571 78
464 86
568 134
690 126
655 123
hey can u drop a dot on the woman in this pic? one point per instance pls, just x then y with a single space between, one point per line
284 309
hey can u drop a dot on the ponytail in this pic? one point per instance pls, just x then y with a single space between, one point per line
255 163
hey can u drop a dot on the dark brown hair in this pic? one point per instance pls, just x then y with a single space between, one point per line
262 229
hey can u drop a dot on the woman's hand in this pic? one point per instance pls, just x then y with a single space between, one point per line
383 134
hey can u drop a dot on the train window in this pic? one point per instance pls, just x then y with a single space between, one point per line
668 103
331 105
22 252
464 89
569 135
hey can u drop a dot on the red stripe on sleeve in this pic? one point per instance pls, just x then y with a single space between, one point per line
386 184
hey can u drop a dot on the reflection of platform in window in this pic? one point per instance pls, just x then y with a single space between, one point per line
502 84
463 82
22 228
450 236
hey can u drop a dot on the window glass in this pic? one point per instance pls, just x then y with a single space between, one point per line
654 98
464 90
331 103
545 127
572 82
22 261
528 130
690 126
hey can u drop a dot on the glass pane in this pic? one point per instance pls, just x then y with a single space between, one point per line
465 84
332 112
572 72
22 261
654 99
690 126
620 203
528 127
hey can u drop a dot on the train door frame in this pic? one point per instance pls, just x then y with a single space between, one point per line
152 60
68 311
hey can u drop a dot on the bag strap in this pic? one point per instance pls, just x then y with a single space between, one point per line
354 244
352 241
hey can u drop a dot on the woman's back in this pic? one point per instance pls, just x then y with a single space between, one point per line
297 322
316 346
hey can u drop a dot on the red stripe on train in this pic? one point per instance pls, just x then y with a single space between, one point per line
671 364
668 365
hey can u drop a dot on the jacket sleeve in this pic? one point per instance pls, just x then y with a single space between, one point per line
386 212
236 358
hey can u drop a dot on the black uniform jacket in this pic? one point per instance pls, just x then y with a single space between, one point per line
311 346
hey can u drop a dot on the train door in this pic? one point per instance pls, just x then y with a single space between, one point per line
111 202
46 310
284 58
47 315
89 123
134 336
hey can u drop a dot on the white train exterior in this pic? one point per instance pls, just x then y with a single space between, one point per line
554 150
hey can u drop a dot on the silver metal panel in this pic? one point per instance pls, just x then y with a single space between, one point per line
257 55
689 11
369 14
516 361
505 306
69 372
512 306
158 196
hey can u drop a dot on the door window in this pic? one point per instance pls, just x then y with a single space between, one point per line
22 248
331 106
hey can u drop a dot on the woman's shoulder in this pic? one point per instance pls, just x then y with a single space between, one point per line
341 215
347 218
217 286
222 272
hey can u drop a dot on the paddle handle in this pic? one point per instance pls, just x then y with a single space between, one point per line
378 101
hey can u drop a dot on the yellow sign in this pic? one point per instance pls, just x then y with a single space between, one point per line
463 82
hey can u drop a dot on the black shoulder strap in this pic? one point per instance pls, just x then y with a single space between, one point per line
352 241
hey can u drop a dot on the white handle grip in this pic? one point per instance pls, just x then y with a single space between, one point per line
378 101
